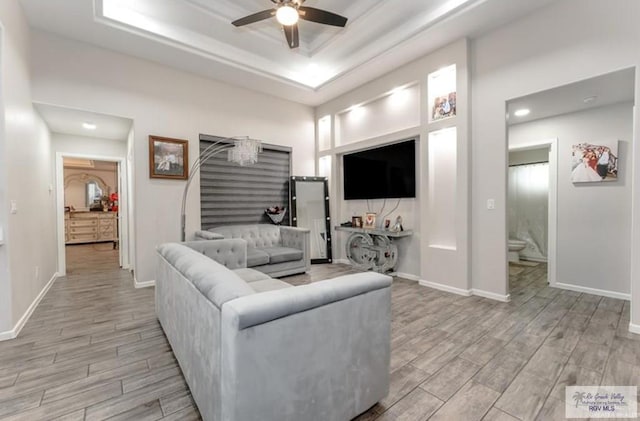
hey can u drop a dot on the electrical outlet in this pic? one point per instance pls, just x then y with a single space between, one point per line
13 207
37 273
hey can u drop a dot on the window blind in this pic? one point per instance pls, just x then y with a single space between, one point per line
231 194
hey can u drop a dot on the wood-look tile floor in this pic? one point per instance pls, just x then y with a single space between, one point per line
93 349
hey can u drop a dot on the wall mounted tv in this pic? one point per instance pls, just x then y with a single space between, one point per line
388 172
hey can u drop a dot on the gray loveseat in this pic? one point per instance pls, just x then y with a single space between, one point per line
256 348
272 249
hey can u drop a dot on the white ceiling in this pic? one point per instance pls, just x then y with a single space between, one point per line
69 121
611 88
197 36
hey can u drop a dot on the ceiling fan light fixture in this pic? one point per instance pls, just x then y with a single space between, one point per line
287 15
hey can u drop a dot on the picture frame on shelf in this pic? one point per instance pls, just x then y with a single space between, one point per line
443 106
168 158
369 221
356 221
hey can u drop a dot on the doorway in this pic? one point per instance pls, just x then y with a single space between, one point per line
532 206
92 216
591 123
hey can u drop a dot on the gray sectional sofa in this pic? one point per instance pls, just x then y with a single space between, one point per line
256 348
276 250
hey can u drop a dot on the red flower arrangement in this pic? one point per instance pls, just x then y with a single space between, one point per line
113 202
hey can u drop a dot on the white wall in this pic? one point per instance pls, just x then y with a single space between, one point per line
419 256
5 279
29 252
90 146
594 219
592 38
166 102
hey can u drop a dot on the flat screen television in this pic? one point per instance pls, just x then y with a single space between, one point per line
388 172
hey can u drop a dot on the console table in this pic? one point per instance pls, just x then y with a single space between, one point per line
372 249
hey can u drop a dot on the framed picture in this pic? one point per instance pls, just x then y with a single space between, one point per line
369 220
168 158
594 163
443 106
356 221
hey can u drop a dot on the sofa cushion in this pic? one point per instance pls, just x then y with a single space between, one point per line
251 275
256 257
256 236
282 254
231 253
212 279
268 285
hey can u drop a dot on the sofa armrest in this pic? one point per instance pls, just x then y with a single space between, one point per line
231 252
331 337
257 309
298 238
208 235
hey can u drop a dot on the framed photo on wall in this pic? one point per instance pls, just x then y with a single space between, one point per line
594 162
168 158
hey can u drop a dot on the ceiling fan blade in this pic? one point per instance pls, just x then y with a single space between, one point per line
321 16
265 14
291 33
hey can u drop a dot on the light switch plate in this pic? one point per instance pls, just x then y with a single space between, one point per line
491 204
14 207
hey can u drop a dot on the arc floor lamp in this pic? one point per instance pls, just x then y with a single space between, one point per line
242 150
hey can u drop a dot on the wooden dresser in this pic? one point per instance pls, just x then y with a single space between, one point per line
90 227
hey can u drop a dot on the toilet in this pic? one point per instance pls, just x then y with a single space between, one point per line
515 247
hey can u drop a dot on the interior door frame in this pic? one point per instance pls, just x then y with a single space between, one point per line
123 206
552 234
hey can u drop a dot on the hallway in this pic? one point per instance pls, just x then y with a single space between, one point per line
92 349
91 258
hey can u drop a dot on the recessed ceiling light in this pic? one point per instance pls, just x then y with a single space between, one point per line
522 112
589 99
89 126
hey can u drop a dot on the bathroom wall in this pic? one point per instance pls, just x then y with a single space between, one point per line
528 156
594 219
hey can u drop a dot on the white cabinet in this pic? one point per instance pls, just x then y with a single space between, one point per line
90 227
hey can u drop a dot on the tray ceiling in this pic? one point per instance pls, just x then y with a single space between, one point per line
197 36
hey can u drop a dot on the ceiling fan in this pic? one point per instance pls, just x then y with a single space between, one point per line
287 12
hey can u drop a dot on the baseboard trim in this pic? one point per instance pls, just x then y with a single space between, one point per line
407 276
594 291
6 335
491 295
341 261
445 288
13 333
145 284
634 328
